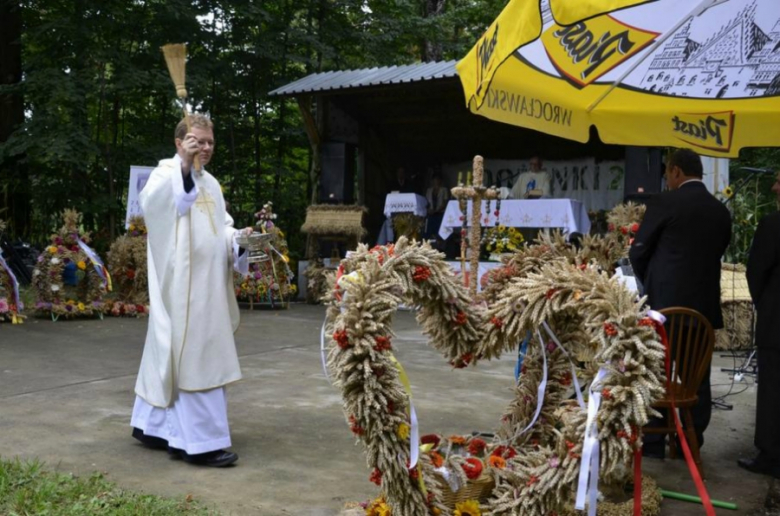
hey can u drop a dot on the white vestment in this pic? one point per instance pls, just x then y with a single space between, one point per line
196 422
193 309
531 181
189 354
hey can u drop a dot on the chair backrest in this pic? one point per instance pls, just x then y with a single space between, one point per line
692 341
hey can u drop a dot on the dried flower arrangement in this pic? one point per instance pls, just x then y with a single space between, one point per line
69 278
10 303
268 282
128 265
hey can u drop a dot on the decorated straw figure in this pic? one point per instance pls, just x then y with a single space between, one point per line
475 192
128 266
270 281
69 278
10 303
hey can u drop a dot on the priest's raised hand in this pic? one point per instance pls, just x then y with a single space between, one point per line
189 354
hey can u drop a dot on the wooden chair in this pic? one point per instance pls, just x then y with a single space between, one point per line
692 341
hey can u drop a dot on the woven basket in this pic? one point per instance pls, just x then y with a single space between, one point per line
478 489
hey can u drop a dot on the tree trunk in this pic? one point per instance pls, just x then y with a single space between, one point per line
432 50
15 201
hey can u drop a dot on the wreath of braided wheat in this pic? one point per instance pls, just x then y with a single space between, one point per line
595 319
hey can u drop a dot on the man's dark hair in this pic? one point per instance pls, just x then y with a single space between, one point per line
688 161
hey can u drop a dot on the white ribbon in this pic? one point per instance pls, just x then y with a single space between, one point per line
539 393
97 263
14 282
322 350
577 388
414 438
656 316
590 451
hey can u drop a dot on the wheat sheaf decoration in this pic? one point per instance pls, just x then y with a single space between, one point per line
532 466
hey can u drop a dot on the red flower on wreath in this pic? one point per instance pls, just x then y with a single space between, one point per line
498 323
624 230
497 462
130 274
376 477
472 468
462 361
414 473
646 321
606 394
382 343
436 459
634 227
460 319
341 338
140 309
421 273
477 446
550 293
610 329
430 439
355 427
532 480
566 379
611 227
506 452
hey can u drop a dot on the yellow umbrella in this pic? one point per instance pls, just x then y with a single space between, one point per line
702 74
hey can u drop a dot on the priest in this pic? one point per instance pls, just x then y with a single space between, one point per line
189 355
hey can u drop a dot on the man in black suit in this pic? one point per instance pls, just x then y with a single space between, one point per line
763 275
676 255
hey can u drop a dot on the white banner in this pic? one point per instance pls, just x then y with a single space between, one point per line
598 185
138 178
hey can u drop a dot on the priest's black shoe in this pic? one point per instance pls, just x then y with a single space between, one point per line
156 443
214 459
762 465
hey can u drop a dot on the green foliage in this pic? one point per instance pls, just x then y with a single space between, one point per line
98 97
27 488
753 200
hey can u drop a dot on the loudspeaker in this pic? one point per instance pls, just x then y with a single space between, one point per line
337 180
644 171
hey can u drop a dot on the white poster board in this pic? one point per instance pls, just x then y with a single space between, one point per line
138 178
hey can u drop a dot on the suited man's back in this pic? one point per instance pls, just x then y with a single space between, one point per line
677 251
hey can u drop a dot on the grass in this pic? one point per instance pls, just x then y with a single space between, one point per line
27 488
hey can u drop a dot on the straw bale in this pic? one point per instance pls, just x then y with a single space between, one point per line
325 219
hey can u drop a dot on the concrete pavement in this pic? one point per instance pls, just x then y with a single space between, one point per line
66 393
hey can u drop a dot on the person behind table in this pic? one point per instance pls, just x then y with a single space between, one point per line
401 183
534 183
437 196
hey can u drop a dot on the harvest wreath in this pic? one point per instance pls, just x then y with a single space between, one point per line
536 460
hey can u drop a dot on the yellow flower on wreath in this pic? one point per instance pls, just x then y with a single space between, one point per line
402 431
467 508
378 508
81 265
81 307
52 249
728 192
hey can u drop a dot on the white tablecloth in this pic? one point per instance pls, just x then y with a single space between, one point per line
568 214
405 203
